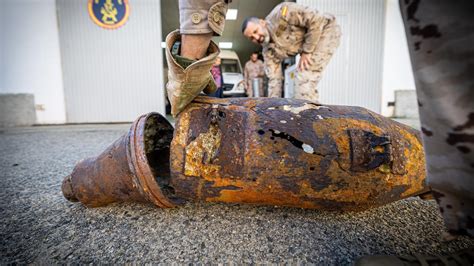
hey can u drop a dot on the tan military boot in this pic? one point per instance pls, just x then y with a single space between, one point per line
184 84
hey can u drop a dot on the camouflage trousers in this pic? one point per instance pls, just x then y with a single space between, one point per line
306 81
440 38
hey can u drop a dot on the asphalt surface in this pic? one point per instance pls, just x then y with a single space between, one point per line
37 225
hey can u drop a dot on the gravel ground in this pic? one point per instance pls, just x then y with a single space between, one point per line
39 226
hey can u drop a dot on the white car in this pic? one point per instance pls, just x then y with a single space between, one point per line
232 75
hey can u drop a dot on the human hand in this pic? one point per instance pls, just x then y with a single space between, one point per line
305 62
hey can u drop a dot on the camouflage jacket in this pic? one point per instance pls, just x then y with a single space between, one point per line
293 29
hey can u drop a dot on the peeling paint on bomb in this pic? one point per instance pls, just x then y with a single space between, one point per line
307 148
298 109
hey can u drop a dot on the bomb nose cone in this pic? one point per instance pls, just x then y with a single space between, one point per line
122 172
67 189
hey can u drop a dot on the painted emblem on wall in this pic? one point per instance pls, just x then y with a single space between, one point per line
109 14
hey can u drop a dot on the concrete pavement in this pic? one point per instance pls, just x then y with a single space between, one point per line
37 225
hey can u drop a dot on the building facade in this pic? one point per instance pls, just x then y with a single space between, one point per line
82 69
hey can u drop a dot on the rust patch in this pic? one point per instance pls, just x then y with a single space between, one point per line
368 151
201 153
209 189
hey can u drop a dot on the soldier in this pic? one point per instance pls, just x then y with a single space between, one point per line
292 29
190 53
440 35
443 65
254 70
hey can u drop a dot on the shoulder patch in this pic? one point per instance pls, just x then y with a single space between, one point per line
284 9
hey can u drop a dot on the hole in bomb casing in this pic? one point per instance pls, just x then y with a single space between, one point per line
158 135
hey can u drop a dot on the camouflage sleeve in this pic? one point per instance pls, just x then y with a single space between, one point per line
273 70
308 18
202 16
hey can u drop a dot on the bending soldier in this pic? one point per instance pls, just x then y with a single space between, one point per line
292 29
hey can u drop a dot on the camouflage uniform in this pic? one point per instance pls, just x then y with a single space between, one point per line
202 16
295 29
188 77
251 71
440 38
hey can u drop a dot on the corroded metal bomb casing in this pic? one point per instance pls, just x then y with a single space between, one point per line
123 171
293 153
261 151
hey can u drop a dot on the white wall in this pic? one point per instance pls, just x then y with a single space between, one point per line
397 70
111 75
2 10
354 74
30 56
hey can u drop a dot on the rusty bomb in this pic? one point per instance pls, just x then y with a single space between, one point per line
265 151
